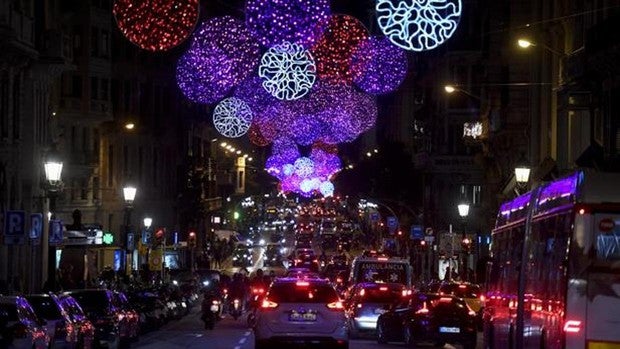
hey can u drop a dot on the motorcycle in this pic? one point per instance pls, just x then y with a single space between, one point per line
257 297
210 311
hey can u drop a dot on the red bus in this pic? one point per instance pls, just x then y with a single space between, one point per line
568 231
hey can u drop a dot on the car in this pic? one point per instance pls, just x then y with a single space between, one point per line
301 310
60 328
367 300
274 255
84 327
300 273
242 257
429 317
23 328
303 243
131 316
112 328
308 260
470 293
151 309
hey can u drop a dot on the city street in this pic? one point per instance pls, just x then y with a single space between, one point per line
228 334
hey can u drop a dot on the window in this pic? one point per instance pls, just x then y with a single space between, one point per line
85 141
110 166
73 138
94 41
105 89
76 86
476 195
240 180
94 88
96 144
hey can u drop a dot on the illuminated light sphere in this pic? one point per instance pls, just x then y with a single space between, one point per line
288 169
256 137
232 117
227 39
156 25
306 129
327 189
252 92
288 71
203 77
304 167
333 51
285 147
418 25
276 21
378 66
306 186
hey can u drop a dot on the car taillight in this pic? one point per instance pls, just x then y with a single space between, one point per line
572 326
382 259
406 293
383 288
359 305
20 331
338 280
362 292
267 304
422 310
445 299
302 283
337 305
483 298
462 286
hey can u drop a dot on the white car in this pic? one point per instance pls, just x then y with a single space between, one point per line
301 310
27 330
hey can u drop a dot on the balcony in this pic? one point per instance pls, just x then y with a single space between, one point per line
18 30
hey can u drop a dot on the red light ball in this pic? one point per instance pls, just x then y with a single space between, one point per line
156 25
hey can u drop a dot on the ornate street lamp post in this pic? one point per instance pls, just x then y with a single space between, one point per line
463 208
129 194
53 172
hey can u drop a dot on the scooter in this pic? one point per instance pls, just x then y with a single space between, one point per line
210 311
237 308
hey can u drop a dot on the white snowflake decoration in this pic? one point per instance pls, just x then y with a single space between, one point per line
288 71
418 25
232 117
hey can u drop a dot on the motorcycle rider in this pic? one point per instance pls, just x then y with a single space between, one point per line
209 316
238 291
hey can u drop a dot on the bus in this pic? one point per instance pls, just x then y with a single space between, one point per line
570 230
381 269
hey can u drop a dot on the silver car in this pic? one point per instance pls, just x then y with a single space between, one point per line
301 311
23 329
367 300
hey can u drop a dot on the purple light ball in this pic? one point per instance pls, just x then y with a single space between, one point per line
204 77
296 21
378 66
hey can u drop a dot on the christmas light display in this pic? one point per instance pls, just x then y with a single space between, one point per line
418 25
256 137
202 77
156 25
232 117
288 71
378 66
304 167
335 47
276 21
327 189
226 39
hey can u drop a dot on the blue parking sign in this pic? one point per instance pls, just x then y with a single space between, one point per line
55 232
14 227
36 225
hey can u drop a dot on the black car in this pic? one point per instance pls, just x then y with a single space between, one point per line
429 318
242 257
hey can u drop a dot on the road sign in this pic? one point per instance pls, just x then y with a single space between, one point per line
146 236
14 227
416 232
374 216
55 232
36 226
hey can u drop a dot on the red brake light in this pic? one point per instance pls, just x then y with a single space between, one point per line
482 298
383 288
462 286
382 259
337 305
572 326
423 310
406 293
338 280
362 292
267 304
445 299
302 284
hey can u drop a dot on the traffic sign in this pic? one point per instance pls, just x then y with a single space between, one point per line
36 226
55 232
374 216
131 242
416 232
146 236
14 227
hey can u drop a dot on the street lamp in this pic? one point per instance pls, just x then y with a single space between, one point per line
147 222
463 208
129 194
525 44
522 174
53 172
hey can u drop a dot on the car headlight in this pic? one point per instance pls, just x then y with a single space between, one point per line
175 283
206 282
261 242
235 258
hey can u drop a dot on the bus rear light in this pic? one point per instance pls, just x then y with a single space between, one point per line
572 326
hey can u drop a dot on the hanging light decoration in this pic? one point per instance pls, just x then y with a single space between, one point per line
256 137
378 66
418 25
204 77
288 71
156 25
276 21
232 117
335 47
327 189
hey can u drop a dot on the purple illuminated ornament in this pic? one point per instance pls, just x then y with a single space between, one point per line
304 167
276 21
378 66
227 39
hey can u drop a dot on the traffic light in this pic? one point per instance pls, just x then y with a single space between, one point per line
191 240
466 244
159 237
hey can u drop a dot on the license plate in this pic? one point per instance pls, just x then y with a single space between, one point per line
302 317
215 308
449 330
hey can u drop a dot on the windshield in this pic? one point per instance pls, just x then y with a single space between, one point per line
44 307
607 230
310 293
381 272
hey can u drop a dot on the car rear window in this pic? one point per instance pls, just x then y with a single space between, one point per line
92 301
461 291
310 293
45 307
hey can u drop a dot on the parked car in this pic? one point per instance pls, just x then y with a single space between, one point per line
112 328
130 315
23 329
429 317
60 328
151 310
84 327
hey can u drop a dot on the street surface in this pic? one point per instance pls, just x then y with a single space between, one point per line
228 334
